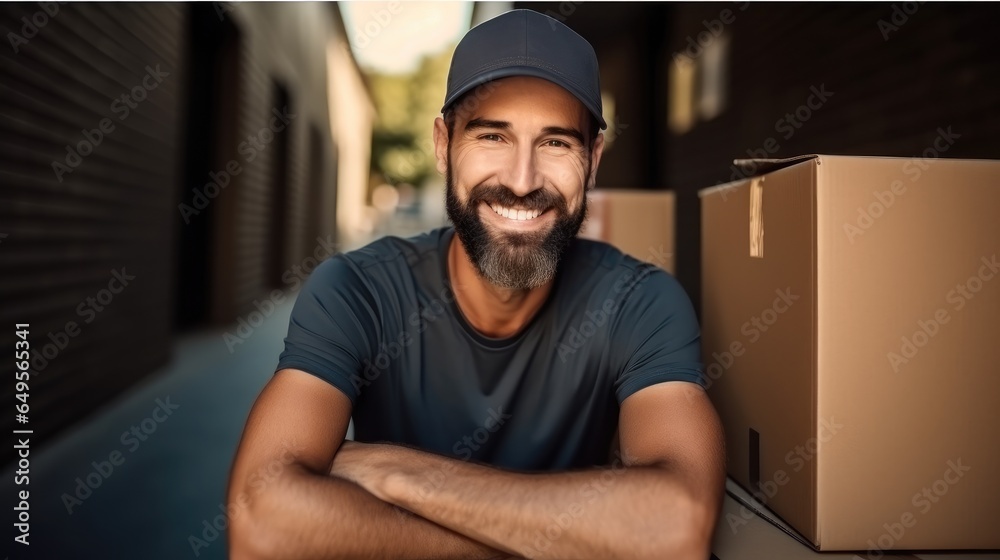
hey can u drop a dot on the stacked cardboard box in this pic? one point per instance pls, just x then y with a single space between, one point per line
639 223
851 334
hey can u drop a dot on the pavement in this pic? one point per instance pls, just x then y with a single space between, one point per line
145 477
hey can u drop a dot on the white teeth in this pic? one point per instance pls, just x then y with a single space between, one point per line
512 214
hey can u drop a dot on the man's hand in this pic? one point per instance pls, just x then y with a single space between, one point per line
368 465
392 473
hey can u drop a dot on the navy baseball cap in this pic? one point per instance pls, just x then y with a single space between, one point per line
526 43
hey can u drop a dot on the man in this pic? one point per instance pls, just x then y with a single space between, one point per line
490 368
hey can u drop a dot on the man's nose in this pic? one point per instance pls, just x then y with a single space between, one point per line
520 173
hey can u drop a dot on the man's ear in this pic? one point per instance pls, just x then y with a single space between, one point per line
441 145
595 159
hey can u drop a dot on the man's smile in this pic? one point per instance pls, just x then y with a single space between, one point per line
515 217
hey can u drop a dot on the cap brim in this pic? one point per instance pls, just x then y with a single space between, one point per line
491 75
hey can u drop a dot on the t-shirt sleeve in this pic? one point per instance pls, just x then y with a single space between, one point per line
656 335
333 326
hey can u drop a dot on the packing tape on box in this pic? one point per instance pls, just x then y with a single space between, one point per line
757 217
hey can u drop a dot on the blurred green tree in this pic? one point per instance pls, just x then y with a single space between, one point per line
402 146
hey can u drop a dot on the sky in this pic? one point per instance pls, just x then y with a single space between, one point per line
391 37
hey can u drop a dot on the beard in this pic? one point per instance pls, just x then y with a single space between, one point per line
513 260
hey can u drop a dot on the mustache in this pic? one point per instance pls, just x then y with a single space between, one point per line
538 199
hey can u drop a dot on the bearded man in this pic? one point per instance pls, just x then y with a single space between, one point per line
516 391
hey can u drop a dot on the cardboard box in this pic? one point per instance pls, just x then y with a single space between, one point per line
747 530
851 335
639 223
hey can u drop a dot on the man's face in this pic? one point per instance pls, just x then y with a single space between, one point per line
517 168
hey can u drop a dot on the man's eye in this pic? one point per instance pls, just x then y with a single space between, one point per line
490 137
556 144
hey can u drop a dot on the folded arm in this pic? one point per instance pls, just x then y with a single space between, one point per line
284 504
660 499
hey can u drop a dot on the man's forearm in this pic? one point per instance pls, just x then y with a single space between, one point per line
635 512
305 515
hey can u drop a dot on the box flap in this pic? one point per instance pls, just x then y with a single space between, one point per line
760 166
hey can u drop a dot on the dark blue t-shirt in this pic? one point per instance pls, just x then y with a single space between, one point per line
381 324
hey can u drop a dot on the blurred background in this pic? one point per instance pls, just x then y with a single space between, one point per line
171 173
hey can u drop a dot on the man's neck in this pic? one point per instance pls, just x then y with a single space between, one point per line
493 311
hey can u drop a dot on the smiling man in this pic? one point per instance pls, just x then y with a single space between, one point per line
516 391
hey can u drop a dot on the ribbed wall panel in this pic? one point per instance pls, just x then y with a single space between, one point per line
113 211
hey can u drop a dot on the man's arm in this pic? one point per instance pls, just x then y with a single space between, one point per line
284 504
660 501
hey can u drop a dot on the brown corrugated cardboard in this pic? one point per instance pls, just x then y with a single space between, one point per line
851 333
640 223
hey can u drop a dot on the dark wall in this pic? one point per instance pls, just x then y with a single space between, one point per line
79 225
